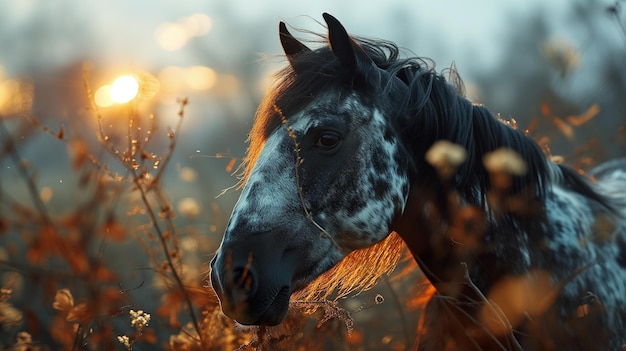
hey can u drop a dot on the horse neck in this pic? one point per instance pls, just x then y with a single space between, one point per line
435 207
423 230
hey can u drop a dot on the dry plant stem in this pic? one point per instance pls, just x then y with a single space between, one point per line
495 308
39 205
161 235
297 164
77 337
137 180
615 11
166 250
398 305
32 188
174 139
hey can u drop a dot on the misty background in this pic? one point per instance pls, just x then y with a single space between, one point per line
514 57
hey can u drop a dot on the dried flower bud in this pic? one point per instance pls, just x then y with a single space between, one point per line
505 161
5 294
139 319
63 300
125 340
446 157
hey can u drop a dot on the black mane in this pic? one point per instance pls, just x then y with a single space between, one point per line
434 109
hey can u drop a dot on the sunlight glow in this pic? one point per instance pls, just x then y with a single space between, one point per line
124 89
15 96
149 86
102 96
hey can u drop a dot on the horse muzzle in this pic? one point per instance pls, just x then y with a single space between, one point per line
252 281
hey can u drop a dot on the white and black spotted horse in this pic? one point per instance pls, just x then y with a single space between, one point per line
337 162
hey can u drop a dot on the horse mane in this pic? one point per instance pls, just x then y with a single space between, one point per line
437 110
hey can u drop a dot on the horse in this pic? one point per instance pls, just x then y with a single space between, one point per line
356 152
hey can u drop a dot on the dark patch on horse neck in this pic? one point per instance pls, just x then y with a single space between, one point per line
426 226
429 245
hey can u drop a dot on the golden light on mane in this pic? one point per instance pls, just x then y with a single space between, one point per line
358 271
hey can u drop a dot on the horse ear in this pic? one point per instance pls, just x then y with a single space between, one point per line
340 42
291 46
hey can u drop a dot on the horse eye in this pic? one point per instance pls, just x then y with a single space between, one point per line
327 140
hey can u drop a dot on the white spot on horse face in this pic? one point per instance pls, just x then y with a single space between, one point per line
377 186
270 189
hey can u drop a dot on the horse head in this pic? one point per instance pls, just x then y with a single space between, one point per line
326 176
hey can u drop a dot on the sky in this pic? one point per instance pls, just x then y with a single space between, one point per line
125 30
119 36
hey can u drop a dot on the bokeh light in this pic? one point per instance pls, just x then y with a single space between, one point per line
200 77
172 36
149 85
102 96
124 89
15 96
197 25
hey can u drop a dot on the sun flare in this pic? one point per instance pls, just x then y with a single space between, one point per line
124 89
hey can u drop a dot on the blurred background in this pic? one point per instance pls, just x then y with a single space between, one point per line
556 67
538 62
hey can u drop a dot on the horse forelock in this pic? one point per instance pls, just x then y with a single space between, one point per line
309 74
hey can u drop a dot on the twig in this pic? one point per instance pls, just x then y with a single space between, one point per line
297 164
494 307
164 246
126 160
32 189
614 10
398 305
173 134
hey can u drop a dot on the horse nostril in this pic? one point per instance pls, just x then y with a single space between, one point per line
242 280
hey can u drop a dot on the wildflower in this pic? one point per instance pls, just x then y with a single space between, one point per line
24 338
9 316
63 300
446 157
561 54
185 339
125 340
79 313
139 319
505 161
24 342
5 294
502 164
